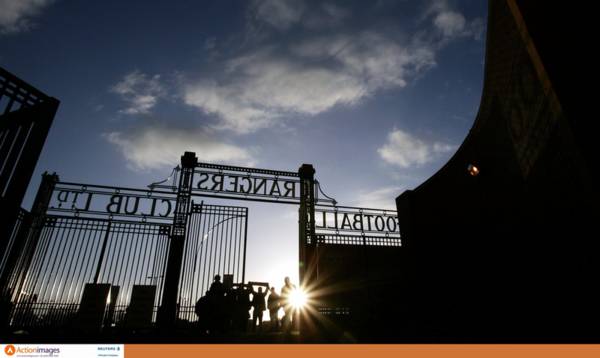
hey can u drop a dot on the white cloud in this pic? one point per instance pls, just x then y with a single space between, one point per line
451 23
155 146
313 74
265 88
376 60
309 78
403 150
382 198
140 91
15 15
281 14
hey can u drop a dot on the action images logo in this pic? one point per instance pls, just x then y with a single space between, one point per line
10 350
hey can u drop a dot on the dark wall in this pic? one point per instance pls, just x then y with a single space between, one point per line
362 286
511 254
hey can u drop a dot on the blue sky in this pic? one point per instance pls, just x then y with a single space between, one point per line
377 95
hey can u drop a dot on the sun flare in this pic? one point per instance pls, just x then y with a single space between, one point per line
298 298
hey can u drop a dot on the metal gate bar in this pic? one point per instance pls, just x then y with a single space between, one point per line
12 265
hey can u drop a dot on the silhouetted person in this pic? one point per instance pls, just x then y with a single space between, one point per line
288 308
217 287
229 306
242 307
258 303
203 310
237 308
217 303
273 304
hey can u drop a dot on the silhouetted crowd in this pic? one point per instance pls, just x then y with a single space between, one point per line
227 309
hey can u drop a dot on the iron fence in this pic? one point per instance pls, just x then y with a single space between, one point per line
71 252
68 252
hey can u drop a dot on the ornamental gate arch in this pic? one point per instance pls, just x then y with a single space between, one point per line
169 238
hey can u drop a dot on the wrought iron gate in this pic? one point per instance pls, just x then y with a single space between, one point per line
70 252
215 244
88 234
165 245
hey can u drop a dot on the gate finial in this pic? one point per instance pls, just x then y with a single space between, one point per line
189 160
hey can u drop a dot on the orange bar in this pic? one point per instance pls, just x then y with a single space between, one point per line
362 350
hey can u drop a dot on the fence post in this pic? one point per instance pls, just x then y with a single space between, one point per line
306 220
307 232
167 315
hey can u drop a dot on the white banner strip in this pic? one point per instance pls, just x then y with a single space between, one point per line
63 350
